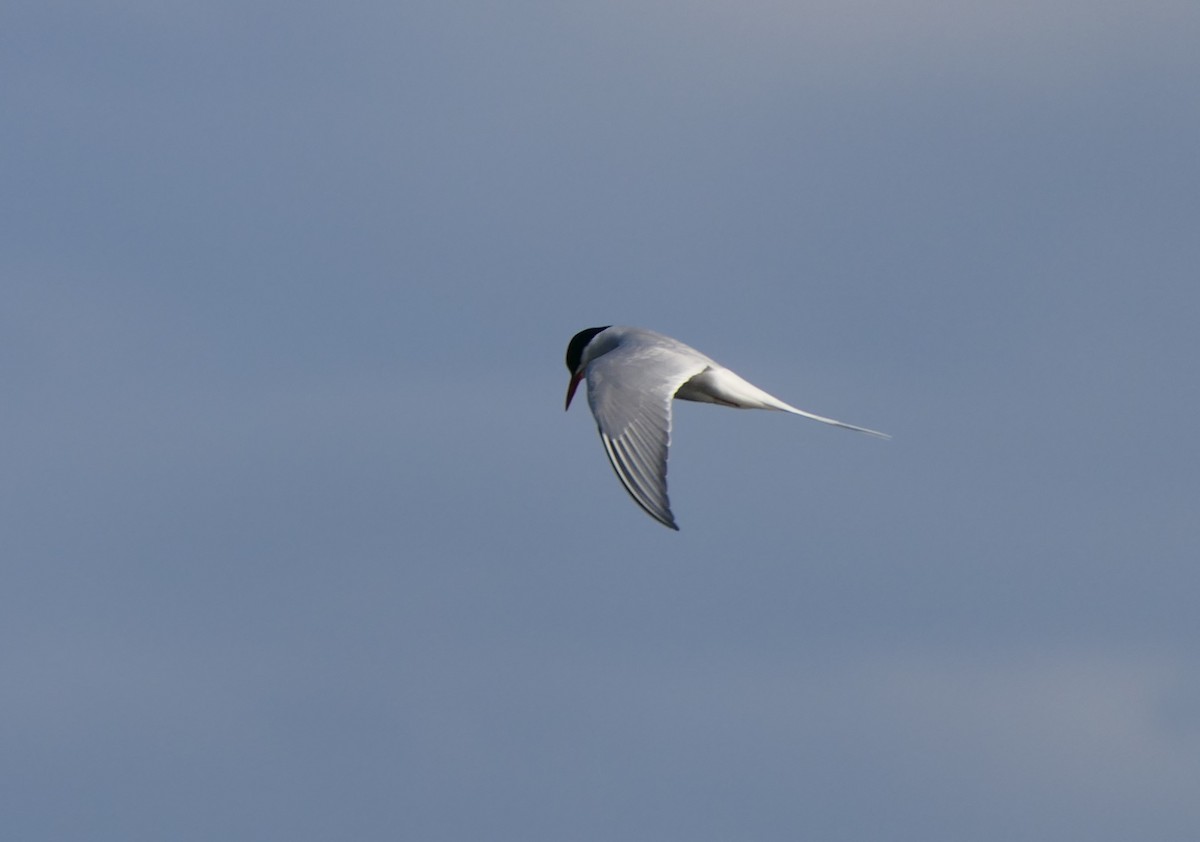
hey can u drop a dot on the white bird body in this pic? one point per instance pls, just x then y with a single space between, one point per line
632 375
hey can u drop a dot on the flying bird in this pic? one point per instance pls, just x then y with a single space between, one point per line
632 375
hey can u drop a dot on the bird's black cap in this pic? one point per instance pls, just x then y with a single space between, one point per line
578 342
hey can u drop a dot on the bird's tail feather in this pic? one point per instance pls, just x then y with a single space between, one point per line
834 422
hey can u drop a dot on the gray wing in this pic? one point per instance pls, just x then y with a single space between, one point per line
630 390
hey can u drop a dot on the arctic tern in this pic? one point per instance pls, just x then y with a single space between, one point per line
632 375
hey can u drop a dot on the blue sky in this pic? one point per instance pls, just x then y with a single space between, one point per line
299 543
